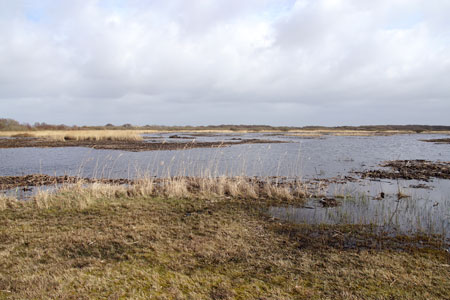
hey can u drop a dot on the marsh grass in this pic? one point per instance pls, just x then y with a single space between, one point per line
207 237
81 194
401 195
7 202
80 135
118 242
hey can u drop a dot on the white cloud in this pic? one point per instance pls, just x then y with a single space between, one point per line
204 61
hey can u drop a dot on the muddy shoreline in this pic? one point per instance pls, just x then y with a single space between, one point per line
35 180
438 141
38 180
133 146
424 170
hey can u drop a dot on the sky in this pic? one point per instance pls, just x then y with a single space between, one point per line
205 62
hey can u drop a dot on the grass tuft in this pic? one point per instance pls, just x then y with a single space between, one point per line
82 195
8 202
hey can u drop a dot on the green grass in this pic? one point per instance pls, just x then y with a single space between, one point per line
119 246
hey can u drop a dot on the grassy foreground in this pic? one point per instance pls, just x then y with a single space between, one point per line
122 245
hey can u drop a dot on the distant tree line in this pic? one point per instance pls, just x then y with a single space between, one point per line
10 124
13 125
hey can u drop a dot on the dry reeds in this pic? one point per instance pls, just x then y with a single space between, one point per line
7 202
149 248
78 195
82 195
80 135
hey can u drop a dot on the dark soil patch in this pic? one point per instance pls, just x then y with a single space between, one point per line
438 141
176 136
359 237
329 202
420 186
336 180
134 146
410 170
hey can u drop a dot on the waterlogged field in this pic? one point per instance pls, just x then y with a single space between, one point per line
330 163
300 156
226 216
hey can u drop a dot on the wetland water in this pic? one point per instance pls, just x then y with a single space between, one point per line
426 207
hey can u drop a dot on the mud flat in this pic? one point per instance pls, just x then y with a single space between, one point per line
134 146
423 170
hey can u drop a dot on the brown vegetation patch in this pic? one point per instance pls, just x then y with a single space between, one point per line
420 186
329 202
27 135
276 190
438 141
124 145
134 247
9 182
356 237
410 169
176 136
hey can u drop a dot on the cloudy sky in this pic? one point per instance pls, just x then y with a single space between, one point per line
200 62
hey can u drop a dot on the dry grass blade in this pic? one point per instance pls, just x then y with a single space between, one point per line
7 202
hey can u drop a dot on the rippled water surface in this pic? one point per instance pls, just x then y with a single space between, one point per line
324 157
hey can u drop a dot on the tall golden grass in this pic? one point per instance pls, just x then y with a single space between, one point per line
7 202
81 195
79 135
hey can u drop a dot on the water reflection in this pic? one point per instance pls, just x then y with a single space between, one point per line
419 210
307 158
